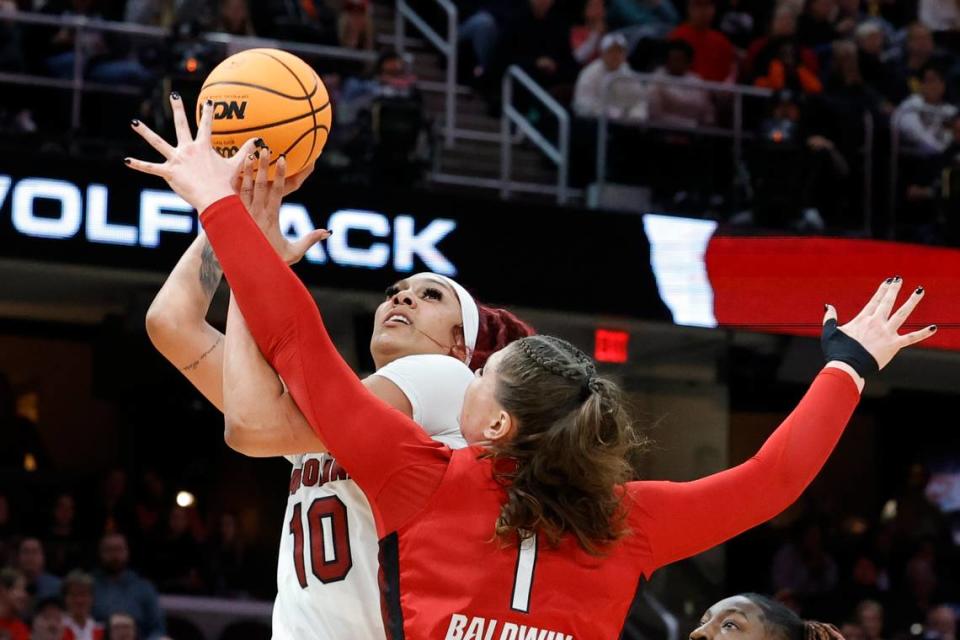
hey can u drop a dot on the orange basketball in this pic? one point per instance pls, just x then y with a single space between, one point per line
270 94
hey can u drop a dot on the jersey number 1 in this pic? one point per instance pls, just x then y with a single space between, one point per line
523 574
329 538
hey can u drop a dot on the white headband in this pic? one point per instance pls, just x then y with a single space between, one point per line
469 314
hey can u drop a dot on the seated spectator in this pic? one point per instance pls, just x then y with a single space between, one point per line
32 564
679 105
940 16
923 120
817 26
871 43
639 19
941 623
13 605
917 52
481 30
78 619
585 39
538 41
121 626
786 70
761 618
100 62
714 57
63 544
804 566
870 619
14 106
783 27
234 18
738 22
177 558
118 589
355 25
623 97
48 620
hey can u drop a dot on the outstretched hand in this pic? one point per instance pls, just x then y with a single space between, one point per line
193 169
876 329
262 198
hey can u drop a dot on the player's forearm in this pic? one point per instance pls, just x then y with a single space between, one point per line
181 305
261 419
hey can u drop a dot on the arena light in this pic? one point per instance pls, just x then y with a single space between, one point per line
185 499
611 345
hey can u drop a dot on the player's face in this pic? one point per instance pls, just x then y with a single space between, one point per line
735 618
482 417
420 315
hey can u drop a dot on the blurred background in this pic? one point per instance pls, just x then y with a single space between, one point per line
675 186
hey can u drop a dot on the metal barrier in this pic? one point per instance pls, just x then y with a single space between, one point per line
895 152
79 85
736 132
447 46
559 153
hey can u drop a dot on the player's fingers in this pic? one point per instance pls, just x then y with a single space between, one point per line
153 139
180 122
261 188
277 186
889 298
246 183
901 314
297 180
917 336
301 246
829 313
205 126
874 302
153 168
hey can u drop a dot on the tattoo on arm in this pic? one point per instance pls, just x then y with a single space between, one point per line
210 271
196 363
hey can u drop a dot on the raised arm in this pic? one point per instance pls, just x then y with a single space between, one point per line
394 462
681 519
176 320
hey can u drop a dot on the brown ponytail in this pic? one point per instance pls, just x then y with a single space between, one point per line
563 468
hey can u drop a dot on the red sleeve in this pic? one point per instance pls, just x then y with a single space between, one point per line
389 456
682 519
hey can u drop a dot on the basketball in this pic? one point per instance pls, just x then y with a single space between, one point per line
270 94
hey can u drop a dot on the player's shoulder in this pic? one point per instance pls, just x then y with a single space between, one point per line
433 364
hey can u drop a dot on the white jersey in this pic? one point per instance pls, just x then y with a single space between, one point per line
327 572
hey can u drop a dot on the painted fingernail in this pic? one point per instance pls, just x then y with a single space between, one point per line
256 154
174 95
897 278
933 327
888 281
209 103
919 291
283 155
259 143
134 123
126 161
251 157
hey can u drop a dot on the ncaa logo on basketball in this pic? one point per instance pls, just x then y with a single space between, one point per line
232 110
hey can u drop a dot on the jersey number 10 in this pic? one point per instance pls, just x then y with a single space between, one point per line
329 538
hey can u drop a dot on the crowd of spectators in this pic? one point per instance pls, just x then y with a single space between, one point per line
840 79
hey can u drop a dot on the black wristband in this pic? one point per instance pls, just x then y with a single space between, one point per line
839 346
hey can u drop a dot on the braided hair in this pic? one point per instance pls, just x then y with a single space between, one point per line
569 456
784 624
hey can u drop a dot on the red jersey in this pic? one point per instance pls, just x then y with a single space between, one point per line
445 576
713 55
15 628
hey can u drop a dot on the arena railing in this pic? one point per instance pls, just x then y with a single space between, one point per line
78 84
445 45
558 153
735 131
896 150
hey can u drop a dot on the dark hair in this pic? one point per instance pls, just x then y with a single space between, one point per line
385 57
564 468
498 328
787 625
935 67
682 46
